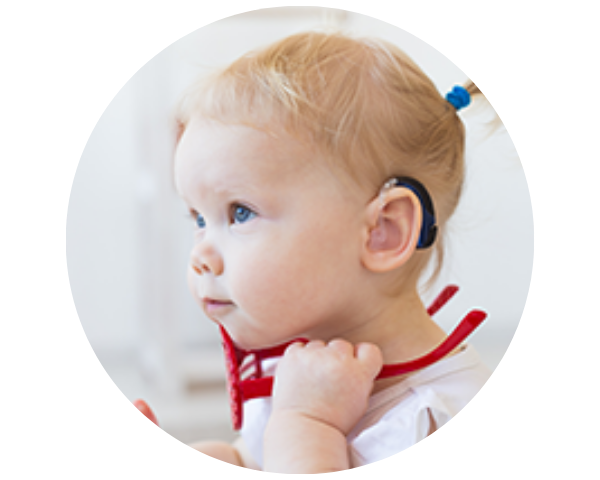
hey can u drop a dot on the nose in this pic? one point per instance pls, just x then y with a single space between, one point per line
206 259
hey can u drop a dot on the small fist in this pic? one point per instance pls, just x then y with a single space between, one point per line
328 382
145 409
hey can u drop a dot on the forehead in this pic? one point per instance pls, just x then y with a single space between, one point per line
220 156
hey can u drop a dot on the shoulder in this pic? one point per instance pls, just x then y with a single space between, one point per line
460 376
446 387
408 412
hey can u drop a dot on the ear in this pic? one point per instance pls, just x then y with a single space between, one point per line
392 230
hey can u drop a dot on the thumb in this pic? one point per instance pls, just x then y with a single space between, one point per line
371 358
145 409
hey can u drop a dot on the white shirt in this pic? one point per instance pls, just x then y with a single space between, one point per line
398 416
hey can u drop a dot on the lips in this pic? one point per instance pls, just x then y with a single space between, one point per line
213 305
213 301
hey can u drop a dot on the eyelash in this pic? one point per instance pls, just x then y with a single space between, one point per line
232 211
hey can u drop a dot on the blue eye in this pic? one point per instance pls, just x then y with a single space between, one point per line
239 214
200 221
242 214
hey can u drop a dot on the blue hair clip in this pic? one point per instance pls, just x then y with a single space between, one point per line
459 97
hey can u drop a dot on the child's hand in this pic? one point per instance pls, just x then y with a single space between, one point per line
145 409
330 382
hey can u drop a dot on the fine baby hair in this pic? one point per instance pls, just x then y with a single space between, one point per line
362 102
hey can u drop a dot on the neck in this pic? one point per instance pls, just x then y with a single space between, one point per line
401 328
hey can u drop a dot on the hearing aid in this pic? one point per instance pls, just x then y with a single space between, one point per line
428 232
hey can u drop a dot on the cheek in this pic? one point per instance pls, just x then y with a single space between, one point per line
280 282
253 276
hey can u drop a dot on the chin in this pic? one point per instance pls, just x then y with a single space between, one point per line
254 341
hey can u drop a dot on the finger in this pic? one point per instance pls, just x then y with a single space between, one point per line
145 409
341 346
140 405
292 347
370 356
315 344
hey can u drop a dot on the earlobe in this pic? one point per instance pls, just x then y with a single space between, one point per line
393 225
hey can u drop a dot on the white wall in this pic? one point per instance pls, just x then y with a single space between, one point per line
128 240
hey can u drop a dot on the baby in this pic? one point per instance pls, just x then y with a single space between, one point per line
282 159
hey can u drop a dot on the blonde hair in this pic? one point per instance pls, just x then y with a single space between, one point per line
362 102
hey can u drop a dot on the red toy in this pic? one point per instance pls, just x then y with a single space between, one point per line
254 385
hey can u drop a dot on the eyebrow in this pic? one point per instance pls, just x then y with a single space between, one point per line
236 192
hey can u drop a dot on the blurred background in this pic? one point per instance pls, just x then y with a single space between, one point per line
129 237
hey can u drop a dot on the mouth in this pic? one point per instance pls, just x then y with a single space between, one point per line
212 305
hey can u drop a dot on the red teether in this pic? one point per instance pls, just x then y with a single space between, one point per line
256 386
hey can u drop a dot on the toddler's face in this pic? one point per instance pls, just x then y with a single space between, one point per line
276 239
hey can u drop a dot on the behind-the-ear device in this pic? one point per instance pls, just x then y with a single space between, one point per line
429 228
